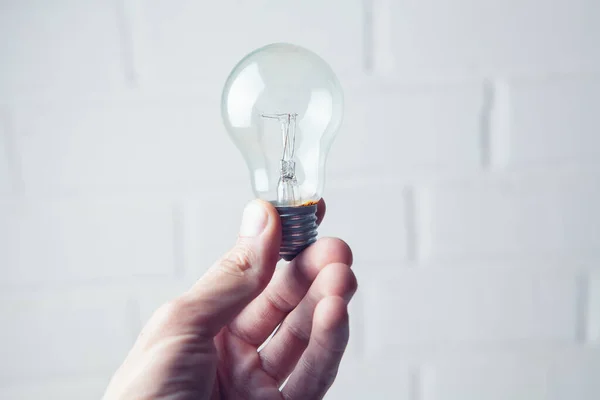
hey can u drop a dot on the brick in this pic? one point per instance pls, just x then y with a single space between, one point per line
593 309
59 47
211 224
65 389
61 333
354 214
433 38
426 308
404 129
490 377
75 239
133 142
576 378
180 44
552 120
150 296
538 218
551 376
361 379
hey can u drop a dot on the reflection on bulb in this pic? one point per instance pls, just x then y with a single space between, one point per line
282 106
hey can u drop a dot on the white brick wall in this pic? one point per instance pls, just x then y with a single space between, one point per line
489 37
171 41
59 47
5 174
512 218
53 334
564 377
492 378
402 128
75 389
457 307
593 309
466 179
542 111
122 142
84 240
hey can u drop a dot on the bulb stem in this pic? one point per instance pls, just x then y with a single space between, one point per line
299 229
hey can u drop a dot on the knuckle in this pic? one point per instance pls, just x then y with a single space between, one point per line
322 378
346 282
271 368
298 331
352 282
173 311
279 302
346 250
343 249
165 320
238 261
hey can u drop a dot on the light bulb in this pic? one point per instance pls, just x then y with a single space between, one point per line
282 105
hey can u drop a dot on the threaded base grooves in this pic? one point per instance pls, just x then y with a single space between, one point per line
299 229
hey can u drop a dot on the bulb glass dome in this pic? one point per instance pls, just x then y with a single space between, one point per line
282 105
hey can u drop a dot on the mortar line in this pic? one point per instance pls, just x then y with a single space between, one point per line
383 62
485 124
134 312
368 36
582 304
415 384
11 152
179 246
410 222
498 132
125 25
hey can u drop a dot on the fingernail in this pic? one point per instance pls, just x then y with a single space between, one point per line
254 220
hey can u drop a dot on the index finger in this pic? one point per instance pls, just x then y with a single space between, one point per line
287 288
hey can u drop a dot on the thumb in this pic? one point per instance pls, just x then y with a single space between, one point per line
242 273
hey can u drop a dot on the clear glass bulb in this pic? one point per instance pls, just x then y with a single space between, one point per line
282 106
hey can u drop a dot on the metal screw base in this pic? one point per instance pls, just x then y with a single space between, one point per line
299 229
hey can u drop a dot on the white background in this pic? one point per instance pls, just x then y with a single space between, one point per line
465 178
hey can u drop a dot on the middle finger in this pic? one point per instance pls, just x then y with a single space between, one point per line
280 355
289 285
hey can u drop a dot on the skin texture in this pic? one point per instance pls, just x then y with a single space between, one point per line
204 343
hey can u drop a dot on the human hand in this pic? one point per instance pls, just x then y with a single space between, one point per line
203 344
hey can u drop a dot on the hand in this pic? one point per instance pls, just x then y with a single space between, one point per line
203 344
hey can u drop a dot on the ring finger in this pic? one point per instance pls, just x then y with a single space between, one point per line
280 355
